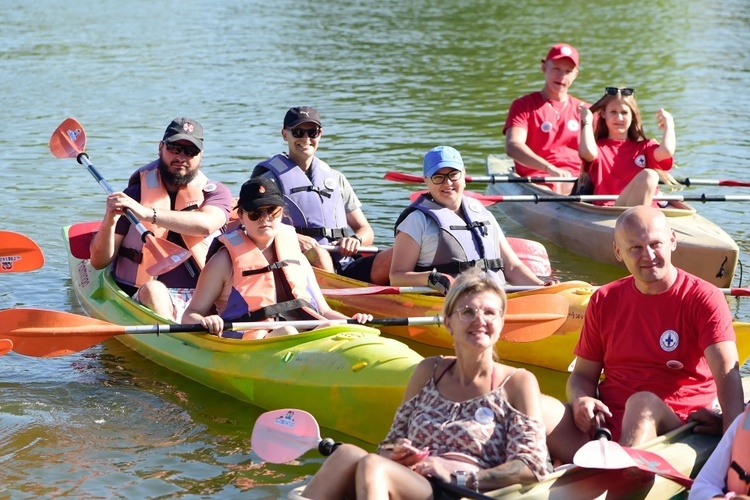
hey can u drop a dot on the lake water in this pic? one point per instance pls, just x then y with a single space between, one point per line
391 80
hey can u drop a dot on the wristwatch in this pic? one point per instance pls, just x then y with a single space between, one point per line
357 237
460 477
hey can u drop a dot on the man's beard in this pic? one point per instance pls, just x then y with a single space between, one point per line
177 180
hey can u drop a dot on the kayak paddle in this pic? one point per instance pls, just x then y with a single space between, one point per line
491 199
489 179
46 333
494 179
6 345
281 436
603 453
19 253
161 256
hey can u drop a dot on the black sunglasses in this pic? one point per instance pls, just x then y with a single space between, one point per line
312 133
189 150
453 175
625 92
273 211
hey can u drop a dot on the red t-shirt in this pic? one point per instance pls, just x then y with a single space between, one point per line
618 162
552 131
655 343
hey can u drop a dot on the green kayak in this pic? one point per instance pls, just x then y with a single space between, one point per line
333 372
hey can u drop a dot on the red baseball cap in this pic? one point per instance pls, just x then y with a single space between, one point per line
562 51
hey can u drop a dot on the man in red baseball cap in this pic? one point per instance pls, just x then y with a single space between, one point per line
543 128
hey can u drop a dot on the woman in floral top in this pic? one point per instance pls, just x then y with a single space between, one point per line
466 419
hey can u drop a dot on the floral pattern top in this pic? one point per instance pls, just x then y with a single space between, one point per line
486 428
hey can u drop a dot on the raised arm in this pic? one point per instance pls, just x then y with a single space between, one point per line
587 148
669 141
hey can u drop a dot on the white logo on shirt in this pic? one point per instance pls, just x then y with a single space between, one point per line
669 340
640 161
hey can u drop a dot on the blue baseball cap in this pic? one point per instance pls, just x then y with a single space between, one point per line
439 157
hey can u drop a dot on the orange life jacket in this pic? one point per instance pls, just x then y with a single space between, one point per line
738 476
254 285
129 268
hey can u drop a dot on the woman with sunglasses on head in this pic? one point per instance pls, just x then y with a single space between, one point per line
618 157
464 419
259 272
444 232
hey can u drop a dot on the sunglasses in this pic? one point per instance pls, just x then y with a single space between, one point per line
625 92
189 150
274 212
454 175
312 133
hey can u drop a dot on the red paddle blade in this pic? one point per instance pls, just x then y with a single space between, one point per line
533 254
653 462
43 333
281 436
6 345
68 140
161 256
533 318
19 253
401 177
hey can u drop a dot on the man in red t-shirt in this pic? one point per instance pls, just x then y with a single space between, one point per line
664 341
542 128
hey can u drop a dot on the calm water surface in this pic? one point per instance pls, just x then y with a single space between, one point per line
391 79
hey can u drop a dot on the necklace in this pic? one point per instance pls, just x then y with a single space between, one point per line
557 113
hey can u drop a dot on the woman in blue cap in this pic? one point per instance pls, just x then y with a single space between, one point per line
444 232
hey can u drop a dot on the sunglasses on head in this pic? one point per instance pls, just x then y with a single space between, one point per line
190 150
312 133
625 92
273 211
453 175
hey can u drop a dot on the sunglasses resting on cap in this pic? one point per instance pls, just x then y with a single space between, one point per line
625 91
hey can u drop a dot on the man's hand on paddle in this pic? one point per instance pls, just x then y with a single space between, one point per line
585 410
709 422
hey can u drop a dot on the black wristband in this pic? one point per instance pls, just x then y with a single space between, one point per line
357 237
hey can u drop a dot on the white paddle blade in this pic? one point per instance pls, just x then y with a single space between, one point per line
603 454
281 436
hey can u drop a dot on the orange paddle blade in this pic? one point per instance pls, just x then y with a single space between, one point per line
6 345
161 256
534 318
68 140
43 333
19 253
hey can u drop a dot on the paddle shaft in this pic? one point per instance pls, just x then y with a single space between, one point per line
400 290
494 179
363 249
83 159
111 329
536 198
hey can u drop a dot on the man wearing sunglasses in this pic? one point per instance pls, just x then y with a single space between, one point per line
175 201
320 202
542 128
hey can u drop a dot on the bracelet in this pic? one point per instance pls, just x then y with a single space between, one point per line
475 480
357 237
153 219
583 124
